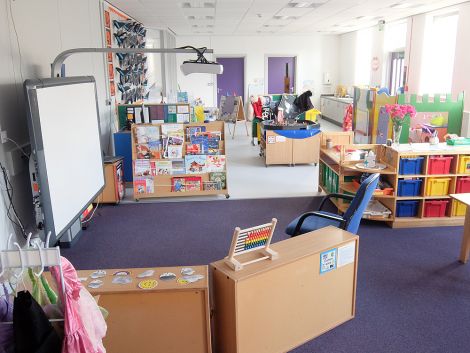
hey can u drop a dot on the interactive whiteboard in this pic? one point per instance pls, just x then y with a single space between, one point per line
65 138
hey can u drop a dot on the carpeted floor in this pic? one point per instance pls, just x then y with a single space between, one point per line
412 295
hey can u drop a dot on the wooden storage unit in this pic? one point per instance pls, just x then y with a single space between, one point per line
114 189
431 185
162 183
278 149
169 318
275 306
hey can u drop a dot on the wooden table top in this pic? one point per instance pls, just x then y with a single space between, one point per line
108 287
464 198
289 250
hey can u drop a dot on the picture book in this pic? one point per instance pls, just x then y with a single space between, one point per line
163 167
177 166
202 141
145 134
156 149
216 163
219 177
144 185
193 183
142 167
193 130
193 149
173 130
175 151
213 151
213 142
195 164
143 151
211 185
177 184
175 140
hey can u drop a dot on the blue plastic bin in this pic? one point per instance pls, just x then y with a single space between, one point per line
407 208
411 165
409 187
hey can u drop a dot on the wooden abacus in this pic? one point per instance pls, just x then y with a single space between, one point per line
251 239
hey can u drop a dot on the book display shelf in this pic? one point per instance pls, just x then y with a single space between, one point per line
171 160
415 180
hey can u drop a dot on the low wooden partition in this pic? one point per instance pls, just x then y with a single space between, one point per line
275 306
171 318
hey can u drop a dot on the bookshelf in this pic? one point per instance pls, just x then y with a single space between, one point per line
338 173
170 177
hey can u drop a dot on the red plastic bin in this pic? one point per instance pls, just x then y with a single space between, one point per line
439 164
435 208
463 185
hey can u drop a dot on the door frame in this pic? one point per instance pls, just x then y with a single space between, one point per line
266 72
245 86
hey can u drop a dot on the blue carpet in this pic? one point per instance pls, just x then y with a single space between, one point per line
412 295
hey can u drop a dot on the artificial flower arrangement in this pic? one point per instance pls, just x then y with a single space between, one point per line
397 113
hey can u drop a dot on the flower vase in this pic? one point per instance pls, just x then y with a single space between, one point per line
396 133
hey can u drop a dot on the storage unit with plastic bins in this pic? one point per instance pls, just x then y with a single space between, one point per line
437 186
435 208
409 187
458 208
439 164
411 165
463 185
464 165
407 208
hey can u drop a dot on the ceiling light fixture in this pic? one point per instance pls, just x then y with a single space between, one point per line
401 5
285 17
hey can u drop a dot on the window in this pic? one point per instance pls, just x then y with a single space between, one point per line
394 51
438 54
397 71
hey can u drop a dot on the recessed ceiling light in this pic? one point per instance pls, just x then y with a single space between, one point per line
188 5
191 18
273 25
285 17
401 5
304 4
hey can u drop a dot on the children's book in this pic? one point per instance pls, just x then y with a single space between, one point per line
216 163
195 164
156 149
193 183
211 185
193 130
142 167
143 151
144 185
177 166
219 177
202 141
163 167
193 149
177 184
175 151
145 134
173 130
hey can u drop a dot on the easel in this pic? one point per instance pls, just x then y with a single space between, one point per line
251 239
232 116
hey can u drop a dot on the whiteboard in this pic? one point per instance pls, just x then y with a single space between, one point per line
70 151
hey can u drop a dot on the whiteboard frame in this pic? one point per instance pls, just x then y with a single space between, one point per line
37 148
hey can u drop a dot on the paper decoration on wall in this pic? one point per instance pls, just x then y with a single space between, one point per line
255 239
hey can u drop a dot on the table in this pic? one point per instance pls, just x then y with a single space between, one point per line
465 247
273 306
169 318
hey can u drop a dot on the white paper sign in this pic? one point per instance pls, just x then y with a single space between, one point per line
346 254
180 109
271 139
280 139
327 261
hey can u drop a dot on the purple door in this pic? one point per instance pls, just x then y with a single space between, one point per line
277 72
232 81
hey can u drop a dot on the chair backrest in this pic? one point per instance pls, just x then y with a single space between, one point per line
358 205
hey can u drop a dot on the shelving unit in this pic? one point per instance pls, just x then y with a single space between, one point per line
162 183
337 172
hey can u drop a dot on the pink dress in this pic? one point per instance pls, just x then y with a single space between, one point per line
84 326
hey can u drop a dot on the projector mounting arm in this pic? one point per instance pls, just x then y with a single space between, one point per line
59 60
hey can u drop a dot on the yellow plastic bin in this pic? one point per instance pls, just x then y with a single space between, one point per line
312 114
437 186
464 165
458 208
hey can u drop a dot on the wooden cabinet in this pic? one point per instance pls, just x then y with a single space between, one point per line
275 306
114 189
171 318
278 149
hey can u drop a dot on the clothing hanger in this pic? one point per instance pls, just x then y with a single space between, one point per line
42 260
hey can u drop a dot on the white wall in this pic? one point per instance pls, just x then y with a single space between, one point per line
45 28
347 59
315 55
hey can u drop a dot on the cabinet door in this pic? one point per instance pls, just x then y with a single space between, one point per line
306 150
278 149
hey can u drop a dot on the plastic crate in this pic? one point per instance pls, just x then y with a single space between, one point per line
463 185
411 165
435 208
409 187
437 186
464 165
407 208
458 208
439 164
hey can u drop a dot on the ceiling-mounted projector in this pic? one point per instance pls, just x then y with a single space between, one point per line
201 65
